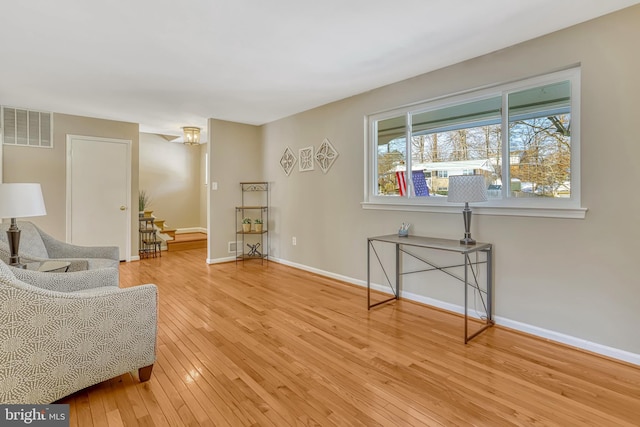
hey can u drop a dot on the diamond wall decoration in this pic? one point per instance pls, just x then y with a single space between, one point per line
305 161
288 161
326 155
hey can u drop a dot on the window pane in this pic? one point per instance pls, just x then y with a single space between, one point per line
392 156
462 139
540 141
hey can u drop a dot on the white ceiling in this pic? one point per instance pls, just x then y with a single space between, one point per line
167 63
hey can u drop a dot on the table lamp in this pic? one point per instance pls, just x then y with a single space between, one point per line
466 189
19 201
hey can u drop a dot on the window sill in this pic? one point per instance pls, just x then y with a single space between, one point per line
543 212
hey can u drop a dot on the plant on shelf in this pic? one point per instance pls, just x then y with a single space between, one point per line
246 225
143 203
258 223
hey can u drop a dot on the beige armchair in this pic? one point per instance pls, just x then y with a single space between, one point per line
38 246
63 332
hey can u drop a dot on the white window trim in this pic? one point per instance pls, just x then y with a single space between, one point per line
531 207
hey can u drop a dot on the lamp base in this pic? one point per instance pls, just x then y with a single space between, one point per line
13 237
18 265
466 216
468 241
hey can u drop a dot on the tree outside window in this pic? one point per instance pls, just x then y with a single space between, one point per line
469 138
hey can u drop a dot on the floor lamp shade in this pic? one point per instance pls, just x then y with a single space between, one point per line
465 189
19 201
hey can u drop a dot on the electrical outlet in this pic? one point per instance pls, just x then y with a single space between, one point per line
294 241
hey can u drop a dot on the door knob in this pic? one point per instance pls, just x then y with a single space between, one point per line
123 208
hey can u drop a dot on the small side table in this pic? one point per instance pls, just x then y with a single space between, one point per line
49 266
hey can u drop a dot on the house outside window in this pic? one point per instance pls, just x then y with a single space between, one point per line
523 137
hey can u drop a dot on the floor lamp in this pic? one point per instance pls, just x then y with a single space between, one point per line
19 201
465 189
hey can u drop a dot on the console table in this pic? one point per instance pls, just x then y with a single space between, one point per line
469 264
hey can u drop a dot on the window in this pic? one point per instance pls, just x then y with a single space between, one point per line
522 137
540 141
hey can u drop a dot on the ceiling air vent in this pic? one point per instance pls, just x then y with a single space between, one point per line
25 127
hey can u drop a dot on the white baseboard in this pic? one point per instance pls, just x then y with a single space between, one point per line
134 258
593 347
220 260
191 230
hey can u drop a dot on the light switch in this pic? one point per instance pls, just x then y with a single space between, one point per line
214 186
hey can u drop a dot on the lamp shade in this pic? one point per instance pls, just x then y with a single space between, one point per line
467 188
21 200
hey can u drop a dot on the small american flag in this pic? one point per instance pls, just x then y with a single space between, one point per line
420 183
420 187
402 182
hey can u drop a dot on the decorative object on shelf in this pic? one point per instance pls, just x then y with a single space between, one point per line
305 161
288 161
191 135
246 225
143 203
403 231
253 250
258 224
326 154
19 201
466 189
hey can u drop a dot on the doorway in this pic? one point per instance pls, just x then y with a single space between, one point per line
99 192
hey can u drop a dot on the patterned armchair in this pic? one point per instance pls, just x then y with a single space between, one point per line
63 332
38 246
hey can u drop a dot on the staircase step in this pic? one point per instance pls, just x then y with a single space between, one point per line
186 241
171 232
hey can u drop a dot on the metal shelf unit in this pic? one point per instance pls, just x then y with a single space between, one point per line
253 244
149 244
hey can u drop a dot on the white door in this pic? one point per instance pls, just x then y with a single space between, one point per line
99 192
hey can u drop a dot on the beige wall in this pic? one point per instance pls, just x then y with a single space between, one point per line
172 176
573 277
48 167
204 187
235 155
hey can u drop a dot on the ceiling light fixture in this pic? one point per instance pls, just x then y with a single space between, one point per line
191 135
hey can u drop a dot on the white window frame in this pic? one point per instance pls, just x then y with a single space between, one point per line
540 207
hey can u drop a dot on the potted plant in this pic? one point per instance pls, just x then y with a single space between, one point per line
143 203
258 223
246 225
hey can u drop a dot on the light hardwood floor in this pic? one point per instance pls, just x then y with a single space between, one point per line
253 345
